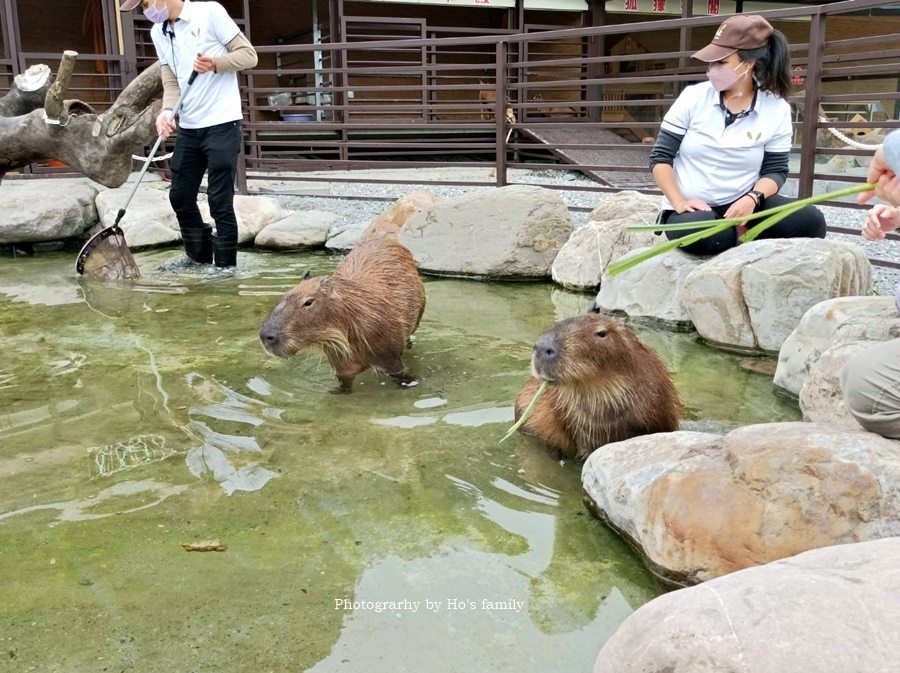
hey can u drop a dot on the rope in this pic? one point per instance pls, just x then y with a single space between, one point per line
847 139
162 158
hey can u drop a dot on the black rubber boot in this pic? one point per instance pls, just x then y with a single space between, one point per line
225 252
198 244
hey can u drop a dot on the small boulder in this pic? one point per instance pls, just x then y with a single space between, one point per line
833 323
605 238
651 292
149 220
509 232
306 228
751 297
391 220
821 397
254 213
701 505
823 611
345 236
45 210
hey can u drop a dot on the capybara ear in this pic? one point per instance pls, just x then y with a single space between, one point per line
593 308
306 275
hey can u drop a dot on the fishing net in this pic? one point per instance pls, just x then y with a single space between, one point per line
136 451
106 255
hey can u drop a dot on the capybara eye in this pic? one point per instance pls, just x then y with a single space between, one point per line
308 302
602 333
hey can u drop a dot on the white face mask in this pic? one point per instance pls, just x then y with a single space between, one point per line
156 15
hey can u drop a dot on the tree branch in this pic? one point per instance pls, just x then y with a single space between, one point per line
53 103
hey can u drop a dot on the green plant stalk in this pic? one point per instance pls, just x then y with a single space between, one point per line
525 414
712 228
621 265
757 229
812 200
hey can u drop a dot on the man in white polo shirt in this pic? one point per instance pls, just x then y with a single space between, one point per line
202 37
723 146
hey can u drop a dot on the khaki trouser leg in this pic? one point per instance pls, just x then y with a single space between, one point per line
871 384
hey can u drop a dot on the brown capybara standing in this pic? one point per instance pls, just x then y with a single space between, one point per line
362 316
605 386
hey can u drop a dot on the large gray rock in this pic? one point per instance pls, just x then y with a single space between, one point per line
45 210
149 219
507 232
751 297
302 229
832 323
701 505
651 292
605 238
828 610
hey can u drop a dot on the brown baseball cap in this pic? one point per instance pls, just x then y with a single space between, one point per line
744 31
129 4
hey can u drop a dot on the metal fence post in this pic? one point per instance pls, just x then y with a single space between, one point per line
811 105
500 113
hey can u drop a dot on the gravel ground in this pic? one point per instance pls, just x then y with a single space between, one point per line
359 209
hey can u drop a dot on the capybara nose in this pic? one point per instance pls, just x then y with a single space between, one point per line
545 347
268 336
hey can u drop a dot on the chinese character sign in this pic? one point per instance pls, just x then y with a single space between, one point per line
631 5
712 6
659 5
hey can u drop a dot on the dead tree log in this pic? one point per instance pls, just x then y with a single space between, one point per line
99 145
28 91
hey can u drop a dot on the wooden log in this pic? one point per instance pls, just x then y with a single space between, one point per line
27 92
99 145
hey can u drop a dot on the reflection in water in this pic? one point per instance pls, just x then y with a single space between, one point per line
471 419
77 510
136 452
489 596
210 457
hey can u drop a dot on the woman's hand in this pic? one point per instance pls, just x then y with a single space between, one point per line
165 125
879 221
743 207
203 64
691 205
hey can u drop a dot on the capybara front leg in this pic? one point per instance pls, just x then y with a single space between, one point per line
346 374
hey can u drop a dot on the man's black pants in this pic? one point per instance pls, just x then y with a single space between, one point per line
215 149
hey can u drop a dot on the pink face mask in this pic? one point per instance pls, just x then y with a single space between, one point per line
156 15
722 77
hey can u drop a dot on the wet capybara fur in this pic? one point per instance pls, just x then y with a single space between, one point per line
362 316
605 386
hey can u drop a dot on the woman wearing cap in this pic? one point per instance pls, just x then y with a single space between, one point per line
723 146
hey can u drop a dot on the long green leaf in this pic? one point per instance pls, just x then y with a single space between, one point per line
626 263
525 414
707 229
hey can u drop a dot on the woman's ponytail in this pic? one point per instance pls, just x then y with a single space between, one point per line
773 65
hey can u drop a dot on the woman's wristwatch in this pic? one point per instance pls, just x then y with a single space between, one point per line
758 195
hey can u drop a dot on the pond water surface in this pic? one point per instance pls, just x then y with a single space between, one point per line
136 418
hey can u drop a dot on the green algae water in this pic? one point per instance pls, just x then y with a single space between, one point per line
381 531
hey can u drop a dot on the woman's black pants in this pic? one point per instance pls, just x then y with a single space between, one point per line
805 223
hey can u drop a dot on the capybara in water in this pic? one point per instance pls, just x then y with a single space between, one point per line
362 316
605 386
